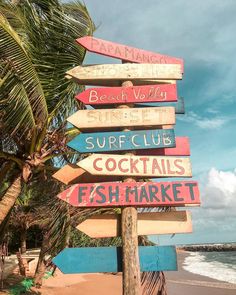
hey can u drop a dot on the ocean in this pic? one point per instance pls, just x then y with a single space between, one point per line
216 265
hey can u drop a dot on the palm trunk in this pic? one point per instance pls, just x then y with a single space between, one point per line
23 235
41 267
9 198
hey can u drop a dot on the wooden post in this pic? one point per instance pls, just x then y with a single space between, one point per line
129 217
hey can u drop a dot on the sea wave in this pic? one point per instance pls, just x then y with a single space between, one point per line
196 263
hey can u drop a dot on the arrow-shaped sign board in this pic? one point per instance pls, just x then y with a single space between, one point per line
127 53
109 259
151 223
124 72
126 117
121 141
135 94
138 194
129 165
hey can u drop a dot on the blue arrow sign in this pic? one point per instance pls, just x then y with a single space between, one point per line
123 141
109 259
179 106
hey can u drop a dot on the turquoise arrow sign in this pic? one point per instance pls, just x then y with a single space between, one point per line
109 259
119 141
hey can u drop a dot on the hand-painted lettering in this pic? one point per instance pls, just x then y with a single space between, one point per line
191 190
95 164
81 193
113 195
122 169
99 191
176 192
178 165
110 164
164 193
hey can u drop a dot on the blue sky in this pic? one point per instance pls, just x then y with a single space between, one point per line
203 34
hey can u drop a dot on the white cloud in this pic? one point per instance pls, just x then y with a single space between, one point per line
217 212
204 122
220 190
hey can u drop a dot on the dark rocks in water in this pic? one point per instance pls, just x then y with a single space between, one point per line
210 247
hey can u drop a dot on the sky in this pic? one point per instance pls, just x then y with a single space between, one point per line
203 34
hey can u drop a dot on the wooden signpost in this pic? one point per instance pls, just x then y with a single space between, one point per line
108 118
138 194
146 100
127 53
151 223
124 72
130 140
146 166
135 94
109 259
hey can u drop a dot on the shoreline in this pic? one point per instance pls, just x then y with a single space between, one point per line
184 282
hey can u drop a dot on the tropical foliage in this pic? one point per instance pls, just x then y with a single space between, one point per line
37 47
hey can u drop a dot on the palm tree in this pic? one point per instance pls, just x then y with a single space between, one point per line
37 47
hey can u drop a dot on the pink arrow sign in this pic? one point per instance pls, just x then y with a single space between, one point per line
135 94
145 194
126 52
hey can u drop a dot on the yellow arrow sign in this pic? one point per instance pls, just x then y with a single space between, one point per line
154 223
135 117
129 165
124 72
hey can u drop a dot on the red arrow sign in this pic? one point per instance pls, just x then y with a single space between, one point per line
135 94
144 194
126 52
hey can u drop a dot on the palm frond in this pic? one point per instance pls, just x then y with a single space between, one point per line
14 54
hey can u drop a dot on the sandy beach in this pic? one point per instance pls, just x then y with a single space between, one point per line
178 283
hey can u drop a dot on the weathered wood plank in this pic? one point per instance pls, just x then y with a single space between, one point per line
151 223
126 165
134 94
123 141
108 118
109 259
125 52
124 72
138 194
